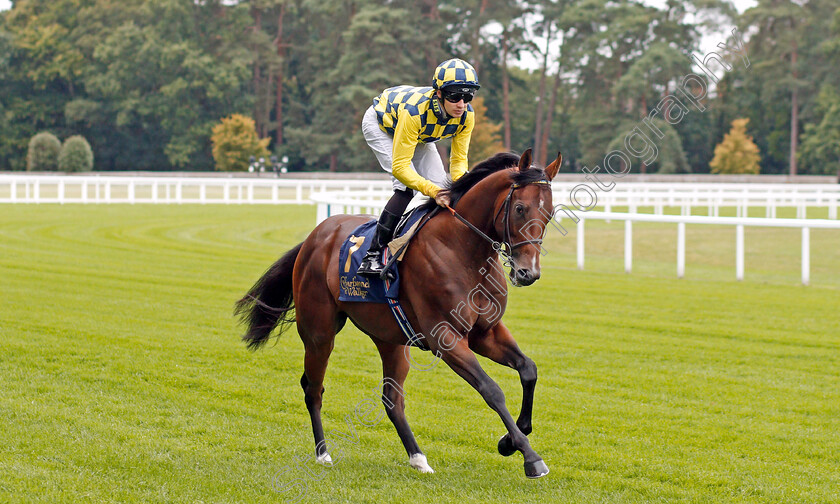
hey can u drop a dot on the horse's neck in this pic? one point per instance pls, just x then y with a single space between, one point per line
481 203
460 252
480 206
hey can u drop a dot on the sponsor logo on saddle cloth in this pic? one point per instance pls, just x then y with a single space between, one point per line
358 288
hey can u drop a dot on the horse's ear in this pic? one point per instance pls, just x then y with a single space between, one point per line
525 161
552 169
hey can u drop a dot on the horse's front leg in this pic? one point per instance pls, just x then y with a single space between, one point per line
463 361
498 345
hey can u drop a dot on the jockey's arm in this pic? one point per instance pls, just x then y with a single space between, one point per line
460 147
405 141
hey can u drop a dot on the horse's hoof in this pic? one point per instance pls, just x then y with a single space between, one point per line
506 448
324 459
536 469
418 461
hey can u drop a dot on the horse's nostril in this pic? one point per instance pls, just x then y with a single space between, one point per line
523 273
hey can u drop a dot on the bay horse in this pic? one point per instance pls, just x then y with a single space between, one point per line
500 207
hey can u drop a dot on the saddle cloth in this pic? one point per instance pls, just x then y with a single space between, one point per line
353 287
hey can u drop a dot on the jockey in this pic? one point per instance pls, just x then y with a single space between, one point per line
401 127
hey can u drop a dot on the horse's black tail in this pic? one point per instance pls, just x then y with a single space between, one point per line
269 303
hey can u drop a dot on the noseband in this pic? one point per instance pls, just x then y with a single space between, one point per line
504 248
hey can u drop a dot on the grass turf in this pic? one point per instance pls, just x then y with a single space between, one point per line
123 379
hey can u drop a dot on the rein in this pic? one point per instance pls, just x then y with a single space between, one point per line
504 248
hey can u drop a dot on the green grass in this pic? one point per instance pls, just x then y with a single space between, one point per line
123 379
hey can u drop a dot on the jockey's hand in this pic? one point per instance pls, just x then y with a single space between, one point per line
442 198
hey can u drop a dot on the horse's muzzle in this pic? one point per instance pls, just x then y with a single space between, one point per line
525 277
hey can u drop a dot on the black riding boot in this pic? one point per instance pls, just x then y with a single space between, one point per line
372 264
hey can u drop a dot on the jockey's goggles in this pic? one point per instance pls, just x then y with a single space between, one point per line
456 97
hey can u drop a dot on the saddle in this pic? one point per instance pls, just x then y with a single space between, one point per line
358 288
407 227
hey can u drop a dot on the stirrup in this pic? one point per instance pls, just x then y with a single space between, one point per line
371 264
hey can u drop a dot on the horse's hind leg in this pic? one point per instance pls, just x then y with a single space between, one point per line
318 337
395 368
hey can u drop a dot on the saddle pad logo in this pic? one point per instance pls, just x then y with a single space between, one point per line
355 287
357 242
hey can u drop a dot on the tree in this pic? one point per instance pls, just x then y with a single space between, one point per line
820 152
269 45
166 75
510 42
780 25
603 39
669 156
143 79
737 153
146 80
43 152
234 141
470 16
338 77
44 70
555 10
6 130
75 155
485 140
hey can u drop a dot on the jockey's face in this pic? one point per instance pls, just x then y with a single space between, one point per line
456 109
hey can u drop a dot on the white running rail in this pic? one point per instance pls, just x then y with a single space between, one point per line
658 196
177 190
28 188
348 202
712 196
681 220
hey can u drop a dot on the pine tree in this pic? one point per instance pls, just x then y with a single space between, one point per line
737 153
669 158
820 153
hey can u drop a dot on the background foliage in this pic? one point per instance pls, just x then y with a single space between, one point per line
42 153
76 155
234 141
146 80
737 153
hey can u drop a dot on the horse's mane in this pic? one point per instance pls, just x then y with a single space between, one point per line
482 170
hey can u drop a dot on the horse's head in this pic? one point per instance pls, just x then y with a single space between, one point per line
522 216
510 201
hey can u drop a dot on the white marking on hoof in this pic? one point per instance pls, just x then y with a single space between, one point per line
324 459
418 461
542 473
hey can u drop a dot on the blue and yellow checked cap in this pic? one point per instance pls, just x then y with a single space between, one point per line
455 72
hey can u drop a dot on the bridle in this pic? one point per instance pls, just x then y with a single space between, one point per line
504 248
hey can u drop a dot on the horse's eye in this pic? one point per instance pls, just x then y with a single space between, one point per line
520 209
